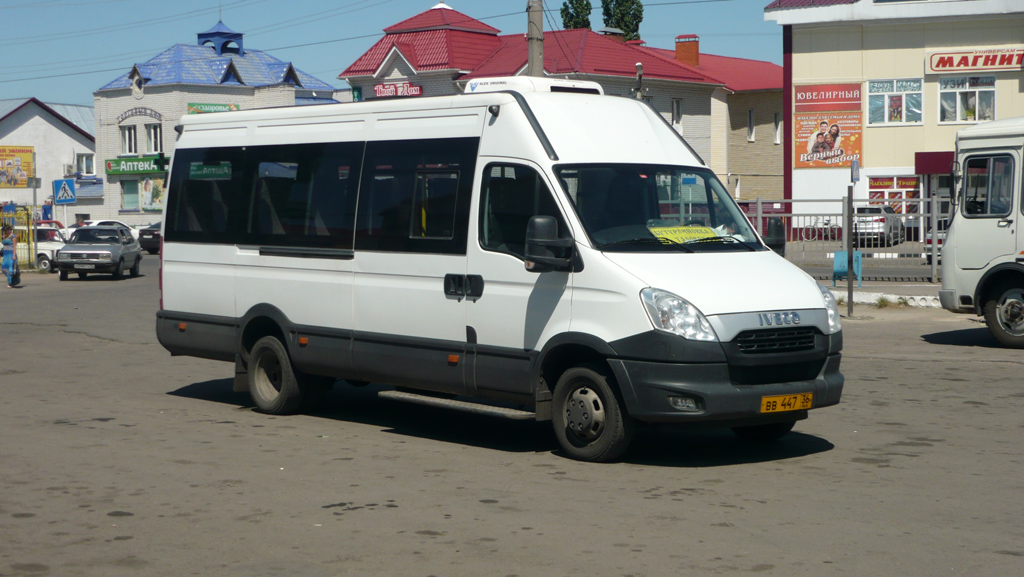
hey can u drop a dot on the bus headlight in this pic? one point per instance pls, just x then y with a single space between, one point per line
674 314
835 324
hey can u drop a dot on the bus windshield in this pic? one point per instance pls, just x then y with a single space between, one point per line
655 208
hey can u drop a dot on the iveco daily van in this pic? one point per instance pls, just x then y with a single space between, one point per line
531 243
983 255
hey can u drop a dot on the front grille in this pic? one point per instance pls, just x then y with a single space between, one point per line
773 374
775 340
84 255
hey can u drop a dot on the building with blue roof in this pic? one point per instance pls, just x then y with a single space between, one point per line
137 111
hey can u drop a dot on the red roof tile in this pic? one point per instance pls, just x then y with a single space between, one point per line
738 74
428 50
440 18
586 52
777 4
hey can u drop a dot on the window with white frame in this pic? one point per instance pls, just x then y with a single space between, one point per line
750 125
778 128
154 138
129 140
84 163
967 98
896 101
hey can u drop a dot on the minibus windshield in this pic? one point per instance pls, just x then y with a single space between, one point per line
655 208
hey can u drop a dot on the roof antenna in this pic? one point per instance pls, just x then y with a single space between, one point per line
220 10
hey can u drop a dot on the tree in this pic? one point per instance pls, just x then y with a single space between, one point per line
626 15
576 14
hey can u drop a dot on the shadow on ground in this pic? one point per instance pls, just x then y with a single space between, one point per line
657 446
979 337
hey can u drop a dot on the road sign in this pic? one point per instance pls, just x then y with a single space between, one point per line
854 170
64 191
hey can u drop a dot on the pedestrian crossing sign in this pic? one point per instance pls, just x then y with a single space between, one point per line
64 191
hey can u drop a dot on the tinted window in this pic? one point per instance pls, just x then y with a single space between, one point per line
415 196
510 195
302 194
204 188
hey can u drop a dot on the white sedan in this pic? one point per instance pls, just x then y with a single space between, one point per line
71 229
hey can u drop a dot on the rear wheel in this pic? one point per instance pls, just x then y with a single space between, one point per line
272 382
589 419
152 250
83 274
1004 314
769 432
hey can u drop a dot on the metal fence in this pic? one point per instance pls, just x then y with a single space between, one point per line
897 239
24 229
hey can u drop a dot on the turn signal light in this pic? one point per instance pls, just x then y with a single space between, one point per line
453 359
303 341
182 327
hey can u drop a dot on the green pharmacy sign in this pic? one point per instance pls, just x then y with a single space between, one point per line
140 165
204 107
216 171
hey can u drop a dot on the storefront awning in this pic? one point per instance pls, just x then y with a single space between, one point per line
933 162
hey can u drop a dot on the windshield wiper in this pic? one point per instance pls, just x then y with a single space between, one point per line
723 239
649 241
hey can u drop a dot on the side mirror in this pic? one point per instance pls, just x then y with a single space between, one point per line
954 176
545 252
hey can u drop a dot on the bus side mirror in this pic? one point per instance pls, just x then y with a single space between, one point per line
545 251
954 176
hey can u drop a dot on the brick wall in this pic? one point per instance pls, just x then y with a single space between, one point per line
756 166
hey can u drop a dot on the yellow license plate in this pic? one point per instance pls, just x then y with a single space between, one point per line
780 403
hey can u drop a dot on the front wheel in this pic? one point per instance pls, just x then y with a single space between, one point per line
119 270
44 264
134 271
63 275
589 420
1004 315
272 381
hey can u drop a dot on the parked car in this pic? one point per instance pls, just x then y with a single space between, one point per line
71 229
47 242
149 238
878 226
100 249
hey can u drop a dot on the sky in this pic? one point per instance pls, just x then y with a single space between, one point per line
62 51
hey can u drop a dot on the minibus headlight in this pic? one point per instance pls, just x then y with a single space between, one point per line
674 314
835 324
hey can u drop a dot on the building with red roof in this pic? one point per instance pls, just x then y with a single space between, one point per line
439 51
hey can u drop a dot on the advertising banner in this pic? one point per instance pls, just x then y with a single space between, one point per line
827 125
827 139
991 59
16 166
151 193
139 165
204 107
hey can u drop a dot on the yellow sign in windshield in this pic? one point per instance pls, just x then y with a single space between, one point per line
682 234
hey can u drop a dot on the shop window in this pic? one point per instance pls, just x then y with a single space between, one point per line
895 101
84 164
750 125
967 99
129 195
129 140
154 138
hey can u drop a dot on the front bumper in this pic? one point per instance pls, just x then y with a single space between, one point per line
98 266
646 387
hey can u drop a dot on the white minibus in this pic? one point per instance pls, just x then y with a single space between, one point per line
983 254
532 248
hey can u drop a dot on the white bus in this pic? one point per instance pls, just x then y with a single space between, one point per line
983 254
533 247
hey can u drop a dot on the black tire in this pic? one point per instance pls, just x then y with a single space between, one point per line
44 264
590 421
272 383
134 271
83 274
63 275
119 270
1004 314
152 250
761 433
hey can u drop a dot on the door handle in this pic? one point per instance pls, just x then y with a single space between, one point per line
1005 222
458 285
474 286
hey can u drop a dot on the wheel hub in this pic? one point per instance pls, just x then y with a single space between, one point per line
584 414
1011 312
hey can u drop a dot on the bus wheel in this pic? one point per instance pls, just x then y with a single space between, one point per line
1004 315
589 419
769 432
272 382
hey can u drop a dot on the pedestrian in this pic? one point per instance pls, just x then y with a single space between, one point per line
10 253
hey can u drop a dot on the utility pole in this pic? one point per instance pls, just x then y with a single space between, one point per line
535 38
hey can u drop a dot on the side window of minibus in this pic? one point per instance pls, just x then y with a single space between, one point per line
988 190
510 195
201 199
415 195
